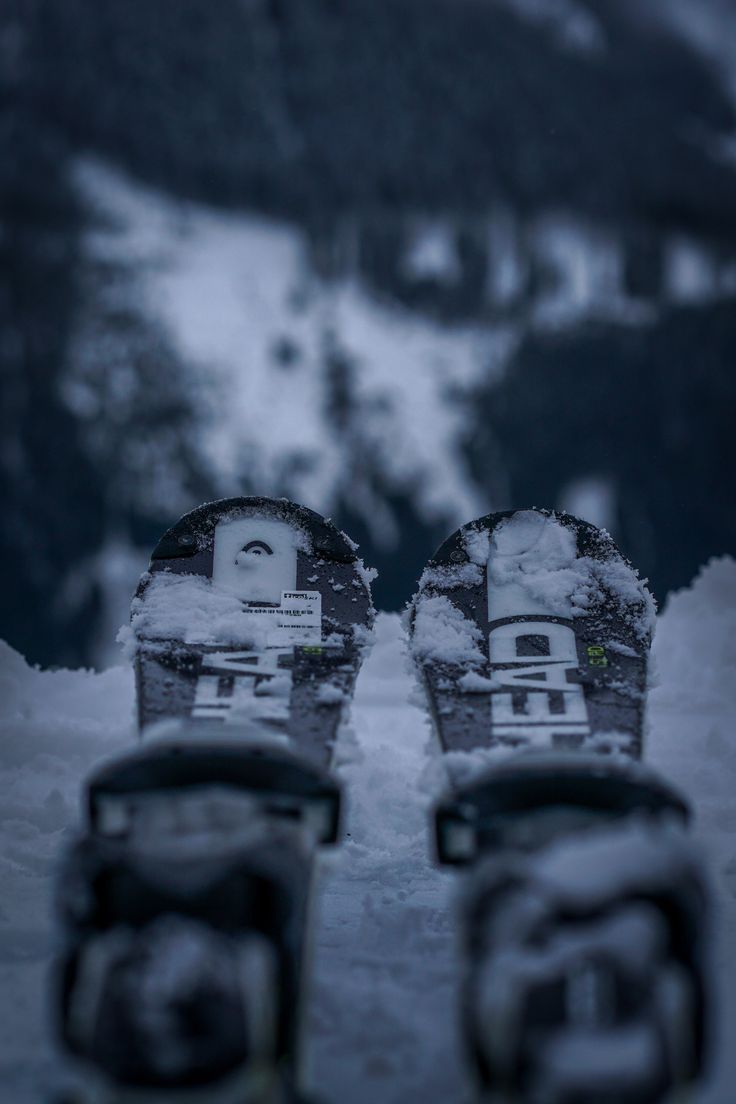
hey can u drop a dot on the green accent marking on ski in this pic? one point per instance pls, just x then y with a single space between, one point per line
597 656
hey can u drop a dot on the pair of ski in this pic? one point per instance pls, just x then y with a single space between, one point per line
186 900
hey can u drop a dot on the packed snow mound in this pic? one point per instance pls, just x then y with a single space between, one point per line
73 717
191 608
533 555
443 633
452 577
54 727
539 555
695 646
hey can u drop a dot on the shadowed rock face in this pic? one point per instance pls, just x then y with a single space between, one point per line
566 150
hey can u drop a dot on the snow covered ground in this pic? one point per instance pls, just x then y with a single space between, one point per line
384 977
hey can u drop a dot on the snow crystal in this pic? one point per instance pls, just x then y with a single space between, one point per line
352 545
367 574
537 556
442 632
329 694
473 683
451 577
188 607
477 545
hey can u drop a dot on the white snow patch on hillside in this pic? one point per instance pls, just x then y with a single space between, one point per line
382 1011
709 25
432 254
241 304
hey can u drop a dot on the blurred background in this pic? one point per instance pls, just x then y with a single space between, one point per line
405 261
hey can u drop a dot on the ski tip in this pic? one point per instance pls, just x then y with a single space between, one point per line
530 524
560 562
193 535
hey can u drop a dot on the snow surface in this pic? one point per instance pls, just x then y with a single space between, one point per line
384 976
